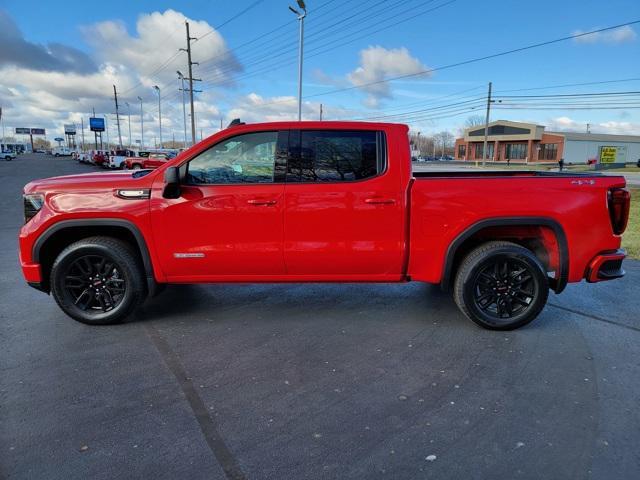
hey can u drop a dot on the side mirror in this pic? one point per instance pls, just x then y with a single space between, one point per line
171 183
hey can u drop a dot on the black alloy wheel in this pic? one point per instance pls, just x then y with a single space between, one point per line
94 284
98 280
504 287
501 286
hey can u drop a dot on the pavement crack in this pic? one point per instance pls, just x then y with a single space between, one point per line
207 425
595 317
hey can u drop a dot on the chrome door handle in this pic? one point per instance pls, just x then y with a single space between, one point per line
261 202
380 201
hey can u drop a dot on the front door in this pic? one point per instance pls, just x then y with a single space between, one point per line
228 221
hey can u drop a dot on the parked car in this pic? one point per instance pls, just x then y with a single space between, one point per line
100 157
118 157
320 202
153 160
8 155
61 152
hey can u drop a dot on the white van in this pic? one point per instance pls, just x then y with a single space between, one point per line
61 151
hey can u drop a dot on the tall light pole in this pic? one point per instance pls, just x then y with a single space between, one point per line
300 51
129 120
141 124
184 108
157 88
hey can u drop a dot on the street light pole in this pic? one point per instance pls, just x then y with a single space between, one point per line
129 120
141 124
157 88
184 108
301 17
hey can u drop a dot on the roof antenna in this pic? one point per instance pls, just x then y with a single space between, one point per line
235 122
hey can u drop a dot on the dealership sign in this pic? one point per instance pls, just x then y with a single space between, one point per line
610 154
96 124
30 131
69 129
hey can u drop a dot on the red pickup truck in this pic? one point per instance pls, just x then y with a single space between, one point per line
320 202
153 160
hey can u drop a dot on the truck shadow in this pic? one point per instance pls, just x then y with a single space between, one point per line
276 302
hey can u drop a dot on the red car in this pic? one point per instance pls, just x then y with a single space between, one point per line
320 202
154 160
100 157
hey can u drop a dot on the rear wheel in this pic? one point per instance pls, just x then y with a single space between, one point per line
97 280
501 286
136 166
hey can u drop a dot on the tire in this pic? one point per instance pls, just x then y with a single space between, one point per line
501 286
98 281
136 166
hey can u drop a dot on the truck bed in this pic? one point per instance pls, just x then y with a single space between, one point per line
501 173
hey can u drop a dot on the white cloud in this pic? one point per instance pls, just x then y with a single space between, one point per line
619 35
378 63
53 84
568 124
255 108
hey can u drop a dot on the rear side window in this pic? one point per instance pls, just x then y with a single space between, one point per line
335 155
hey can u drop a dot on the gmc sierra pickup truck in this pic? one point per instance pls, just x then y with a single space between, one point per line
319 202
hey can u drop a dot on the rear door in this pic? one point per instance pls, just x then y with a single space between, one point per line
343 206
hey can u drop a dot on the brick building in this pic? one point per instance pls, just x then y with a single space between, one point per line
528 142
518 142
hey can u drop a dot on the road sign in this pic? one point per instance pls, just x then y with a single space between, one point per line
23 131
610 154
96 124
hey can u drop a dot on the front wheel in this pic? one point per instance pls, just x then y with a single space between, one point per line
501 286
97 280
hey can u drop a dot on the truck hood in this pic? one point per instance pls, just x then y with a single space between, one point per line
89 181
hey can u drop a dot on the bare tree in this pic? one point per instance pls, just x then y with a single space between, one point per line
444 142
473 121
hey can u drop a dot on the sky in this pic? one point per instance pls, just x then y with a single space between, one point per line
60 60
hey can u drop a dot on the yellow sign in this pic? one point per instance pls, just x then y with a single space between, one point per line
608 154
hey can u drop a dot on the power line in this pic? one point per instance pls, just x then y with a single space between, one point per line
473 60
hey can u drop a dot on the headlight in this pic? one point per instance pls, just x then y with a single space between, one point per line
32 204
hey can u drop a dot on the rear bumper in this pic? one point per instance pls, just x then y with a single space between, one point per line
606 266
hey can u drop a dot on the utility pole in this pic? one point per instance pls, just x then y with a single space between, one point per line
191 80
320 112
141 124
115 96
159 112
486 128
301 17
82 127
129 121
184 108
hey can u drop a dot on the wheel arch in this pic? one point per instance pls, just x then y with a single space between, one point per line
59 235
465 239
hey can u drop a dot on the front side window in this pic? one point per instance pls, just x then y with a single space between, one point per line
246 158
334 156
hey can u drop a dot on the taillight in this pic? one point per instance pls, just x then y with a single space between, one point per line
619 201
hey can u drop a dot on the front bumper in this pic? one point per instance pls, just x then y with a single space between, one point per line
606 266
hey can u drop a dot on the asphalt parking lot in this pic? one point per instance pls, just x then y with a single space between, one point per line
312 381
